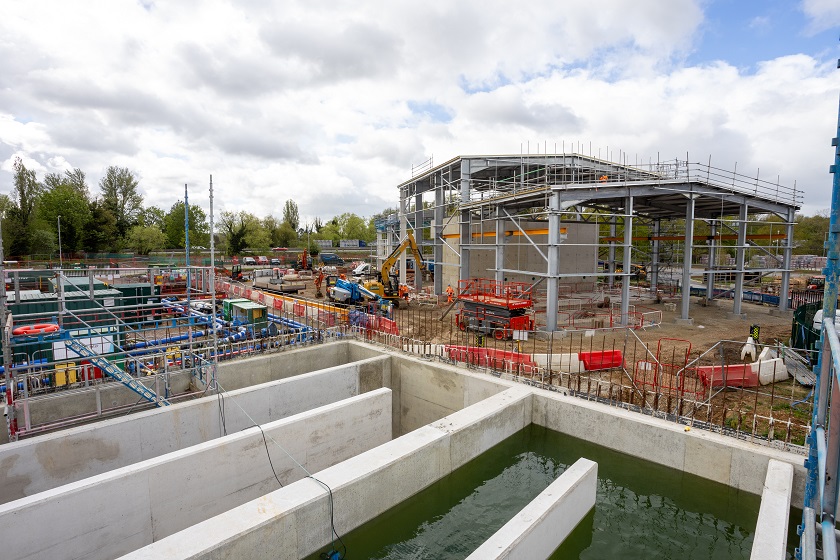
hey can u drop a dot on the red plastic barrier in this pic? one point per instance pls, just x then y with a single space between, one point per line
388 326
737 375
326 317
278 303
299 309
601 360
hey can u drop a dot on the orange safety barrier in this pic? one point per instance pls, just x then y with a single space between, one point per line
601 360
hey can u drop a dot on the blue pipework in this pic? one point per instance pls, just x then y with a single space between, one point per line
818 450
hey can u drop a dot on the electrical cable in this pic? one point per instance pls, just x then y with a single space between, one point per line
333 533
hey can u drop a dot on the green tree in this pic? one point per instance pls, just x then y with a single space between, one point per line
173 226
286 236
101 234
233 227
119 188
809 233
152 216
65 201
76 179
145 239
291 215
26 194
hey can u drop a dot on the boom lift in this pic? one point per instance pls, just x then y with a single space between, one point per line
387 286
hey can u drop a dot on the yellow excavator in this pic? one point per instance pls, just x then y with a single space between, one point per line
387 285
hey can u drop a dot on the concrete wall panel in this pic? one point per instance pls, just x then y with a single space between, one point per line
296 516
37 464
739 464
155 498
543 525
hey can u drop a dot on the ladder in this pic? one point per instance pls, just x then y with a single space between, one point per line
114 372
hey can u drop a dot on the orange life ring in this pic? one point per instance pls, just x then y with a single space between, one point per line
30 330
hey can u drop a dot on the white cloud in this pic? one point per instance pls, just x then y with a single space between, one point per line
330 104
824 14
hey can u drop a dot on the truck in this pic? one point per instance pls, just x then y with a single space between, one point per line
331 259
387 285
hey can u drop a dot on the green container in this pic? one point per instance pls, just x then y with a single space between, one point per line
76 283
227 307
250 313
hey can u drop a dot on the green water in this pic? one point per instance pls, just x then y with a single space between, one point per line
642 510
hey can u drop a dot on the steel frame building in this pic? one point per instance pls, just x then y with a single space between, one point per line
482 189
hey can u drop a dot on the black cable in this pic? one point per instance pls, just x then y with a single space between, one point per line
325 555
269 455
220 399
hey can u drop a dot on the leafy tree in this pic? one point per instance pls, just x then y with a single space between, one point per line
145 239
26 194
809 234
74 209
291 215
286 236
76 179
52 181
152 216
42 242
173 226
120 196
101 231
233 226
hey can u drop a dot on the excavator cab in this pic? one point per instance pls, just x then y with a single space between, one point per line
236 272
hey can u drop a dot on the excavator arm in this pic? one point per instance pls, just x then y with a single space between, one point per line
407 243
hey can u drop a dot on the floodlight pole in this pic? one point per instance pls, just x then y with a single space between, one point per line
60 258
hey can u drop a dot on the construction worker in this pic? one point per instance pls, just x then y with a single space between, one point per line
603 178
450 293
404 292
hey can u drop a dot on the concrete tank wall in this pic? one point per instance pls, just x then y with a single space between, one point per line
34 465
293 522
114 513
736 463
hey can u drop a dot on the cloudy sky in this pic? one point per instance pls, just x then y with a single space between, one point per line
331 103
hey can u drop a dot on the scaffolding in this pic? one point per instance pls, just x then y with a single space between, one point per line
657 216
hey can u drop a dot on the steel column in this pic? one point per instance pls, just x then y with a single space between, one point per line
654 267
551 304
689 239
418 237
784 292
738 296
466 233
627 260
437 233
403 230
710 267
500 244
611 256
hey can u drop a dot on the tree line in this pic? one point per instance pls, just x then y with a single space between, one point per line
114 220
